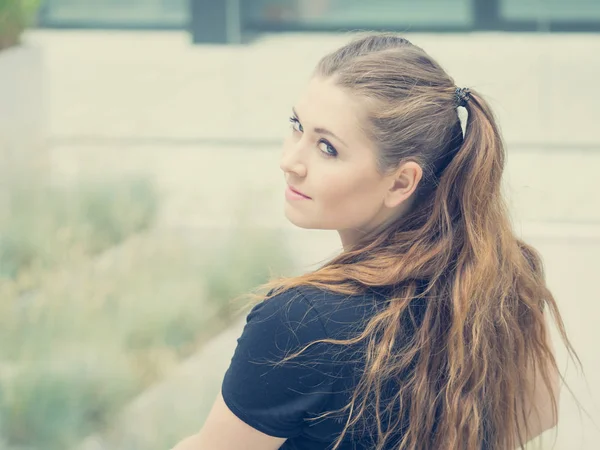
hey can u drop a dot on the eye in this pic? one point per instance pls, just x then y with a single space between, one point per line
296 125
327 148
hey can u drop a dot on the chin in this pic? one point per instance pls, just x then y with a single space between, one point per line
305 223
315 221
298 220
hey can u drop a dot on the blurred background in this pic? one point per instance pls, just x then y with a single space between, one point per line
140 191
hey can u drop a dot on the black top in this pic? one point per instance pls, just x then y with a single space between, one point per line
278 398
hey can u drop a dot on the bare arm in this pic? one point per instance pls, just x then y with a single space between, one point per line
225 431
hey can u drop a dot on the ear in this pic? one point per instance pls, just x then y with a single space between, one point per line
403 183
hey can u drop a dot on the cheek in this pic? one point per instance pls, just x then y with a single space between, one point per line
350 204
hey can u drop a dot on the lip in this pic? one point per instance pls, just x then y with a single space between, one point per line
295 194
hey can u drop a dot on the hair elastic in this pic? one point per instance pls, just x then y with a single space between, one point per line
462 96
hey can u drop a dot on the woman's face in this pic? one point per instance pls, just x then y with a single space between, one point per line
330 159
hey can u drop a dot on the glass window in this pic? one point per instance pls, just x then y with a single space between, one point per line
117 12
396 14
554 10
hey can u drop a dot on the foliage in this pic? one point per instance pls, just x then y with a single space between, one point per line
75 351
15 16
43 227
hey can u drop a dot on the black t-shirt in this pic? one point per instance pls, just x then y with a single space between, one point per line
283 399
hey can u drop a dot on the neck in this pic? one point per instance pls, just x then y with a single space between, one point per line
351 237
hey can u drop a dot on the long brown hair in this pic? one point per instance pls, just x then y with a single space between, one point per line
485 289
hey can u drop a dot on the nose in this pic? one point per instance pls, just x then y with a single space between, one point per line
291 160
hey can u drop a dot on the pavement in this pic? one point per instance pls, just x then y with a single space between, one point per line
206 123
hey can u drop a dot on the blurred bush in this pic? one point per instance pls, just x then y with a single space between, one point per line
42 227
92 336
44 230
15 16
247 259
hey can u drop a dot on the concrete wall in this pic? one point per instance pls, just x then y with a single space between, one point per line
23 112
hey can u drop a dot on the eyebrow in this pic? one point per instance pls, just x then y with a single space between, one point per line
320 129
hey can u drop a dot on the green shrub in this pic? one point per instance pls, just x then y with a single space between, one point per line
44 227
51 403
15 16
247 259
77 350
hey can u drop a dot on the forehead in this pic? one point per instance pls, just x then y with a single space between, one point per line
326 105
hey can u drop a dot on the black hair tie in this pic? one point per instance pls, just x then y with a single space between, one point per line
462 96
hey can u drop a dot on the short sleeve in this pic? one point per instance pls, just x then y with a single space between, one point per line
270 396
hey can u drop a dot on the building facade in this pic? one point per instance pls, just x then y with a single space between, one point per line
230 20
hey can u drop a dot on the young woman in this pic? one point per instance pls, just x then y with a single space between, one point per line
430 329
